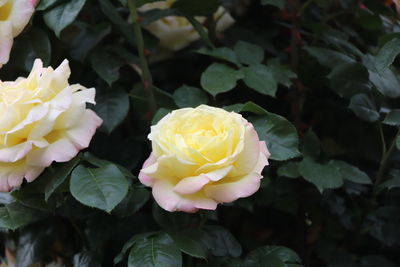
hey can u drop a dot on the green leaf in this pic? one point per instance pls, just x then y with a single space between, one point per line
112 107
278 3
15 215
88 37
323 176
261 79
310 145
134 201
102 188
58 175
247 107
272 256
280 135
221 242
128 244
351 173
391 183
189 241
122 26
248 53
281 73
106 65
87 156
327 57
349 79
155 251
197 8
398 142
363 107
223 53
188 96
392 118
385 81
219 78
41 46
387 54
63 15
290 170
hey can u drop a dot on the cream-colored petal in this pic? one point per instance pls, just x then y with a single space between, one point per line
62 150
6 41
81 134
15 153
20 15
191 185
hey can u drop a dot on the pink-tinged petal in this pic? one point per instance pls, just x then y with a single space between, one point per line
6 41
262 162
171 201
81 134
191 185
20 15
4 186
262 159
145 179
11 175
238 188
15 153
248 157
60 151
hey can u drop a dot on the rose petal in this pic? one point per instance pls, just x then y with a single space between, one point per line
191 185
60 151
83 131
230 191
171 201
145 179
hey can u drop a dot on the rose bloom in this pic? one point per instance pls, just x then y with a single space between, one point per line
175 32
14 16
201 157
42 119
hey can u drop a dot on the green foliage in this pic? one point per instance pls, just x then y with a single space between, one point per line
102 188
319 81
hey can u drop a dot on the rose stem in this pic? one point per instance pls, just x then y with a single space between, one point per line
146 75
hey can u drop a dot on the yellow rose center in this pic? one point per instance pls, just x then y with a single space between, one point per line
5 9
201 136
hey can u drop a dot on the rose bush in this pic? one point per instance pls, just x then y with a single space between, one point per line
318 81
201 157
176 32
42 119
14 16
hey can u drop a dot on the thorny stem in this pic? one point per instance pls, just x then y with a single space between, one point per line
384 163
146 75
386 155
